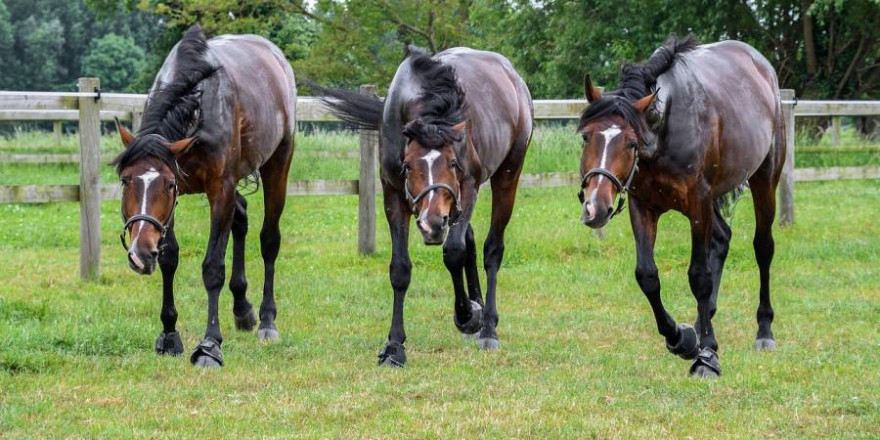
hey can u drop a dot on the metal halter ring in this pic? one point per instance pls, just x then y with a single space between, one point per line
622 188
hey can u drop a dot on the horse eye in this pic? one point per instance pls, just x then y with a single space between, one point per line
453 164
124 181
171 185
633 145
405 169
586 137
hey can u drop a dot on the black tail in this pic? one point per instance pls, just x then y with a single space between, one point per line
662 58
357 110
725 204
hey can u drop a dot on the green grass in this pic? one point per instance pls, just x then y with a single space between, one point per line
554 147
580 354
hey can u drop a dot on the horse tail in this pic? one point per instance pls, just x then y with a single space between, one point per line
663 58
357 110
725 204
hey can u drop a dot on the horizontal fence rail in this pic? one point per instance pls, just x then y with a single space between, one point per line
89 107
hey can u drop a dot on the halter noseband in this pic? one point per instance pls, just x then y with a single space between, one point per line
622 188
162 227
415 200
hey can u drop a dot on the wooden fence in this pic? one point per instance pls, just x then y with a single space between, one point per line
89 107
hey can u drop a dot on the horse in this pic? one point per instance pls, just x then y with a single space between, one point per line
219 112
688 130
449 123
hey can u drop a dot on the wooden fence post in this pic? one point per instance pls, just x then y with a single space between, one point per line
369 147
835 131
56 130
89 181
786 183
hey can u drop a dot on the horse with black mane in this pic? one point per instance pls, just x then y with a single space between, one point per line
688 130
450 122
219 111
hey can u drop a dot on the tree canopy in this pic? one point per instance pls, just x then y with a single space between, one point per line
822 48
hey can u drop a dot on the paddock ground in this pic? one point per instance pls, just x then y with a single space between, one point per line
580 355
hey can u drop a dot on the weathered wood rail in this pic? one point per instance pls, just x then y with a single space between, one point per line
89 107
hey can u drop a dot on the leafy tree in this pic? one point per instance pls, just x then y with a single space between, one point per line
116 60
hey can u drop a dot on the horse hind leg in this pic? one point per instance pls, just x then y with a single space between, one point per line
721 235
763 187
245 318
274 176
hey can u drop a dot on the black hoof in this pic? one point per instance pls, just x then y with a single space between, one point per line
706 364
688 345
247 321
393 355
267 334
169 343
767 344
473 326
207 354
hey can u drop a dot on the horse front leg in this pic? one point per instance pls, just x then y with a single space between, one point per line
681 339
468 316
208 353
399 271
169 341
702 283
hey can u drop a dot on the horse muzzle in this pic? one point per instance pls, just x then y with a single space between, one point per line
143 263
434 229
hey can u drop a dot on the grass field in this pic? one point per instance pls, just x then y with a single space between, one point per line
580 355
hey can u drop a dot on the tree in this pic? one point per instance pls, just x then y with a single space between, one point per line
116 60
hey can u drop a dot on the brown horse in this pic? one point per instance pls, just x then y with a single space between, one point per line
688 130
219 112
449 123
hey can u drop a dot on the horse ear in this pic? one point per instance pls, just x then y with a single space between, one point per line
460 127
644 104
590 92
127 137
177 148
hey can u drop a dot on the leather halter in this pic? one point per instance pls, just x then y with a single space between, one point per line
413 201
162 227
622 188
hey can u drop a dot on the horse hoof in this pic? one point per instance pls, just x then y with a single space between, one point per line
487 344
246 322
393 355
765 344
267 334
688 345
169 343
207 354
706 364
473 325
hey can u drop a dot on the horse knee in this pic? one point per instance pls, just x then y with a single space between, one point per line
270 242
400 272
700 279
765 247
454 255
213 275
493 254
648 278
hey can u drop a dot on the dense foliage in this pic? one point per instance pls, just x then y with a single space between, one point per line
822 48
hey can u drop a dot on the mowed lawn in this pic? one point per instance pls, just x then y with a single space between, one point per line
580 355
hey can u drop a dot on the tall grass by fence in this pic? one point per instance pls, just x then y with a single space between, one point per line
89 107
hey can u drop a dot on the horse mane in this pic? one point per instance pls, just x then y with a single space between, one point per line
443 101
636 82
173 108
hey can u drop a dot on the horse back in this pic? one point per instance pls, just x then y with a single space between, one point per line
721 112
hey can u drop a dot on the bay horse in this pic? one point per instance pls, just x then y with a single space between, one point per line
450 122
218 112
688 130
